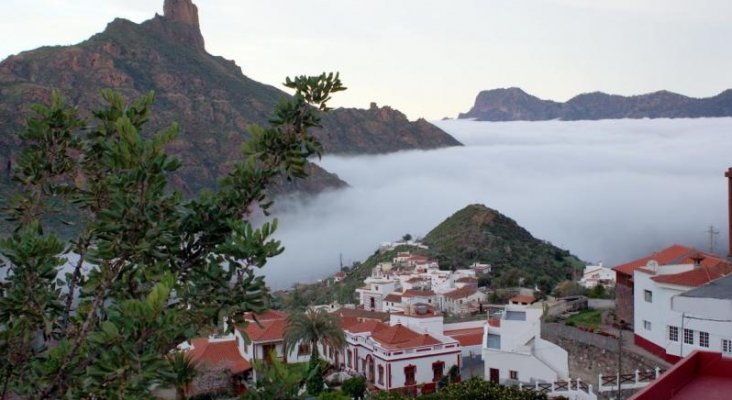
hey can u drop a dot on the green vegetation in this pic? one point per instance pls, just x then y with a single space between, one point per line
354 387
479 234
166 268
587 318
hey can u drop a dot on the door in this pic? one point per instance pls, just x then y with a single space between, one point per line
494 375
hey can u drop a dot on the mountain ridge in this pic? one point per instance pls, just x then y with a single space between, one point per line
514 104
209 96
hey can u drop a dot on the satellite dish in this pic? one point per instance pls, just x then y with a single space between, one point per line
652 265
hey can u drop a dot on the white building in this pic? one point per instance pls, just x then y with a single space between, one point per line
597 274
669 332
372 295
462 300
513 350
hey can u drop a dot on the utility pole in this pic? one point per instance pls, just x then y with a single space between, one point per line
621 325
712 237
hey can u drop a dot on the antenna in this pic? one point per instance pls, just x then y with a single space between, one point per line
712 237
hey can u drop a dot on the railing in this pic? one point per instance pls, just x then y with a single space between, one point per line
635 380
569 388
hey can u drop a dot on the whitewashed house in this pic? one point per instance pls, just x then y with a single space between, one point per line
597 274
673 333
513 350
462 300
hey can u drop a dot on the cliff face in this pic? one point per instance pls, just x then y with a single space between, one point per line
209 96
514 104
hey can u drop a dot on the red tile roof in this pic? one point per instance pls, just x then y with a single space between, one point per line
218 354
696 277
401 337
418 293
270 330
675 254
393 297
461 293
527 299
495 322
265 316
417 279
467 337
367 326
361 314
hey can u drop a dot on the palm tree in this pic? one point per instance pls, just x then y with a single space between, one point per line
184 370
313 326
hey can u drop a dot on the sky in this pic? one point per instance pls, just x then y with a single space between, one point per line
610 191
430 58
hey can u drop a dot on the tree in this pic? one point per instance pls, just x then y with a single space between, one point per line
184 371
151 269
407 237
354 387
275 381
313 327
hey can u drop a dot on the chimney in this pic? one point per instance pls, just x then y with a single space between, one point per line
728 174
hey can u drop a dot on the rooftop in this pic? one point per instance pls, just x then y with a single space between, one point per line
675 254
696 277
461 293
418 293
218 354
266 331
393 297
717 289
522 299
401 337
467 337
700 375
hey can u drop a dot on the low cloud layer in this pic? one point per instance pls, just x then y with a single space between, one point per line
605 190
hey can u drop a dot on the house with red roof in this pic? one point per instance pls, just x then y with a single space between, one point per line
657 282
220 366
406 353
459 301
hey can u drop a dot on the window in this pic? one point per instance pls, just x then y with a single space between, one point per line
673 333
330 352
727 346
381 374
373 303
703 339
513 375
349 357
647 325
303 349
688 336
409 374
438 370
648 296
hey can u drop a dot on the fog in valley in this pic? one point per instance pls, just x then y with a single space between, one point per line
606 190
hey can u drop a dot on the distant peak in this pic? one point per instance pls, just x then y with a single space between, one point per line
183 11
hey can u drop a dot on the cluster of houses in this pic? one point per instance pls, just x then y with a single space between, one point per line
410 280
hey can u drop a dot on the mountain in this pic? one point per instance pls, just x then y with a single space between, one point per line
209 96
480 234
513 104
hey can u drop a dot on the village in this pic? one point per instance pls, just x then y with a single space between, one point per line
670 317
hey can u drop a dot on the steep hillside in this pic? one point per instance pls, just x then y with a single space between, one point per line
514 104
478 233
208 95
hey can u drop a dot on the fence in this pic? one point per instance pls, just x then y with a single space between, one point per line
636 380
573 389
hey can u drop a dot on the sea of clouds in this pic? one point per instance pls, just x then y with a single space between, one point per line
609 191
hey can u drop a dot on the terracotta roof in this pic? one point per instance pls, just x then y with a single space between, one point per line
675 254
401 337
417 258
417 279
269 331
696 277
466 279
393 297
367 326
529 299
218 354
495 322
418 293
461 293
347 322
467 337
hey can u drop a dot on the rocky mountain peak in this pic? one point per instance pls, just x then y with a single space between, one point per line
185 13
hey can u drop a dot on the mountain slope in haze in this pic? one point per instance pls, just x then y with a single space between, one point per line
480 234
209 96
513 104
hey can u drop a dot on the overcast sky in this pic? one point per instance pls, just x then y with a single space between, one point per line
430 58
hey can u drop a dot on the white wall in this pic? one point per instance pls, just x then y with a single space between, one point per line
698 313
529 368
432 325
424 373
658 312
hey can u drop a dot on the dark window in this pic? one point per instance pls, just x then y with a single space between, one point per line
381 374
648 296
349 356
373 303
438 370
704 339
409 375
513 375
688 336
303 349
673 333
